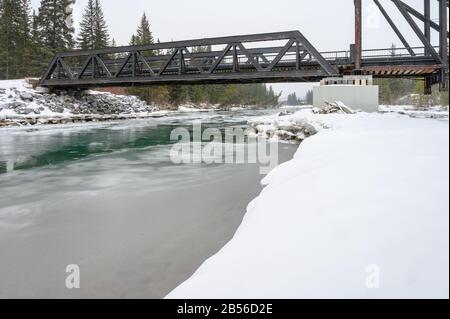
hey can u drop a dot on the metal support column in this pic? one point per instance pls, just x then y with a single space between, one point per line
235 59
427 24
428 85
358 34
443 33
443 49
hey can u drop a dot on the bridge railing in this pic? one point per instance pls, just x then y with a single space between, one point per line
394 52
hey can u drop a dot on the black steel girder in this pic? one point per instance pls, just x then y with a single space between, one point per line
181 63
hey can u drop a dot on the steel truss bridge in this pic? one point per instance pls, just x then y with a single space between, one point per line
259 58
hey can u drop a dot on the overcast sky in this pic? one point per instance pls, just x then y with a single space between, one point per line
328 24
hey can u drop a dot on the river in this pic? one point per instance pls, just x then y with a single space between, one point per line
107 198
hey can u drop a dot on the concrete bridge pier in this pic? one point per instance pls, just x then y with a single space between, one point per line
356 92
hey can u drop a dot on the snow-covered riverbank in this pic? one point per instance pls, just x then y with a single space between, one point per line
362 211
21 105
295 127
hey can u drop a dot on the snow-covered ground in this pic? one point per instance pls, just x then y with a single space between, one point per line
21 104
362 211
433 112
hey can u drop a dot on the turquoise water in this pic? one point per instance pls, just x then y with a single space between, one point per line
22 149
108 198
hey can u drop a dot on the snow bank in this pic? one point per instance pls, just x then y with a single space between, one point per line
287 126
366 196
20 104
191 108
432 112
204 107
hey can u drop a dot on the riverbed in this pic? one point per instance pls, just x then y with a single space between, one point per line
107 197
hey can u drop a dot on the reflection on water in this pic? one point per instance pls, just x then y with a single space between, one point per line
107 198
38 164
48 146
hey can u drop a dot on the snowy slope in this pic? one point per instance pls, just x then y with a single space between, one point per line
18 101
370 190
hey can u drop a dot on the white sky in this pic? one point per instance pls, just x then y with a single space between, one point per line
328 24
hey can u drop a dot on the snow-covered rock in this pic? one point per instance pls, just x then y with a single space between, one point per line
308 121
26 96
362 211
287 126
22 104
433 112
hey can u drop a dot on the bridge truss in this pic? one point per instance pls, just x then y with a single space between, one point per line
437 56
236 59
260 58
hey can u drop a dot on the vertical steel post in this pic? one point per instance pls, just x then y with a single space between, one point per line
94 67
428 85
443 34
182 68
134 62
443 50
427 26
358 34
235 59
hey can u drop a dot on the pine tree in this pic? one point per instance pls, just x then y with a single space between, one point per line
55 24
86 37
14 38
38 50
393 51
7 35
34 28
23 46
143 34
133 40
178 94
293 100
94 32
101 32
160 94
309 97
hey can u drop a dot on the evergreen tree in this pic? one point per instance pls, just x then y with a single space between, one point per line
143 34
24 46
309 97
101 29
87 33
94 32
7 37
15 40
160 94
40 54
133 40
178 94
392 89
393 50
55 24
293 100
35 35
